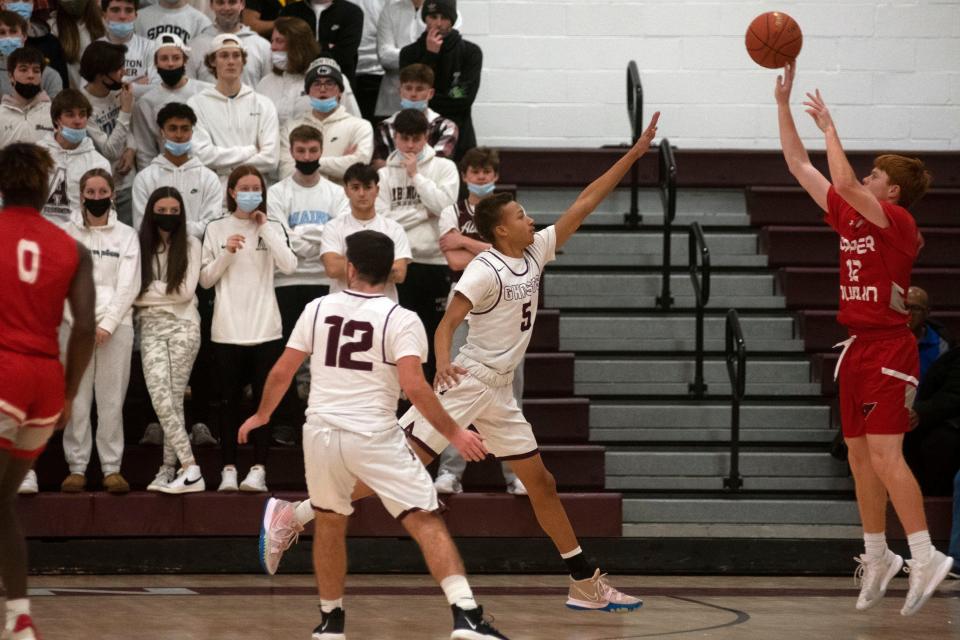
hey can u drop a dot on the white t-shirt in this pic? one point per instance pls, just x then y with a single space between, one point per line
184 21
138 63
504 292
334 240
355 340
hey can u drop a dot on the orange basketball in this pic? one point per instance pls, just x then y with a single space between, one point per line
773 39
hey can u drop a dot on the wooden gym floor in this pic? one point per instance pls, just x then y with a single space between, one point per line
526 607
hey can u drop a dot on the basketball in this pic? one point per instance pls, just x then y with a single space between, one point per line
773 39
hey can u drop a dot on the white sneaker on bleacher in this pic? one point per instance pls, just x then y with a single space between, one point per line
164 477
228 479
189 480
448 483
256 480
29 485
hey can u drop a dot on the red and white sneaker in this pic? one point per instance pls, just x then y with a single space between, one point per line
23 629
278 532
596 594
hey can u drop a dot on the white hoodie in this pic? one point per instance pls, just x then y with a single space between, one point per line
416 203
234 131
28 123
257 48
71 164
200 188
286 92
115 249
182 303
245 310
340 130
145 130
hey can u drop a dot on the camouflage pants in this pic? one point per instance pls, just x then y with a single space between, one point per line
168 347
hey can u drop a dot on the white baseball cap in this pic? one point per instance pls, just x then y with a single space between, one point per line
226 41
170 40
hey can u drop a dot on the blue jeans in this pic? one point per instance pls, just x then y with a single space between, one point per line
954 551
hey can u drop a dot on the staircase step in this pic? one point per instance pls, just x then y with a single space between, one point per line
546 331
548 374
812 287
575 468
819 246
645 249
558 420
820 329
740 511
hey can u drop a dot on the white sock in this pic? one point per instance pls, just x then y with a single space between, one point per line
875 544
329 605
16 608
304 512
458 592
570 554
920 547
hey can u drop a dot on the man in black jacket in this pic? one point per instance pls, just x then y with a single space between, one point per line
456 64
338 26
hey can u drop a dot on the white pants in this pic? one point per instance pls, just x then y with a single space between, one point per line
107 376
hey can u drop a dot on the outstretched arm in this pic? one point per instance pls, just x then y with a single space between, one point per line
798 162
596 191
841 173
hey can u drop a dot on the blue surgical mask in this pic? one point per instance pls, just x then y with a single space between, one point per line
9 45
120 30
23 9
481 189
419 105
324 106
177 148
73 136
248 201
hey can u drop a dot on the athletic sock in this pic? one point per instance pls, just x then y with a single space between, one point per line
17 608
458 592
920 547
304 512
577 564
875 544
329 605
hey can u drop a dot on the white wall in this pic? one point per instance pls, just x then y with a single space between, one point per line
554 71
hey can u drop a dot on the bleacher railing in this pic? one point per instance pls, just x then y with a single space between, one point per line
668 196
699 257
635 112
736 352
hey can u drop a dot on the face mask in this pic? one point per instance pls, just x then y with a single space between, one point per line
120 30
308 168
27 91
419 105
178 148
481 189
171 77
9 45
73 136
279 59
97 208
248 201
112 85
22 9
324 106
166 222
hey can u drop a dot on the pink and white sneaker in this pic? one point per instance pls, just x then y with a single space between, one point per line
23 629
596 594
278 532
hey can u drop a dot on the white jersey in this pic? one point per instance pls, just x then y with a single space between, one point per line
355 340
504 292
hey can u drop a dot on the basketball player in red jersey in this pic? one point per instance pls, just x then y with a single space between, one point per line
879 365
40 267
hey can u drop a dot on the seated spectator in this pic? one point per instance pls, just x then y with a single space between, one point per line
39 37
170 58
25 113
416 91
415 187
241 251
369 72
456 64
72 152
361 184
115 250
120 17
13 31
932 338
199 187
260 15
109 123
169 330
292 49
337 26
173 17
76 24
228 21
348 139
235 125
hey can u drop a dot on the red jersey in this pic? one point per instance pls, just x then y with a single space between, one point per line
37 263
875 264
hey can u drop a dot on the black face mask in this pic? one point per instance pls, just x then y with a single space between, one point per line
171 77
112 85
166 223
28 91
308 168
98 207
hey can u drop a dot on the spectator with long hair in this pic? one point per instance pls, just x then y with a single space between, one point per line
76 23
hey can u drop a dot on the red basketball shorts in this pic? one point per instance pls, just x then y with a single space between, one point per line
31 399
878 383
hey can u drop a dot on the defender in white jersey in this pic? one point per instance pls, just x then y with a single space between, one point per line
499 292
364 348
